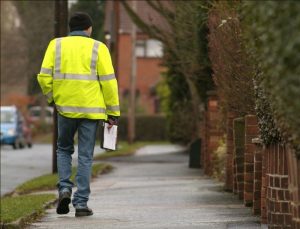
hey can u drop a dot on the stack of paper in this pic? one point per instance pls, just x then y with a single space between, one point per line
110 137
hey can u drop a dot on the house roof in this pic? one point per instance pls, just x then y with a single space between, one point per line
149 15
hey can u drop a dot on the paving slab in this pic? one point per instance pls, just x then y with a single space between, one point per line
156 191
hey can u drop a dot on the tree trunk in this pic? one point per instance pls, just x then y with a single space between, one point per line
196 103
132 101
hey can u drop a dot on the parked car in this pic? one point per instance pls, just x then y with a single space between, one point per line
14 128
36 111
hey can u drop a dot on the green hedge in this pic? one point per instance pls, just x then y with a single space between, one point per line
148 128
232 72
272 32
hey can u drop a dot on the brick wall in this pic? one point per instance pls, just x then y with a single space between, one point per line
203 134
264 186
239 151
294 187
213 133
278 195
251 131
257 185
206 158
230 177
266 177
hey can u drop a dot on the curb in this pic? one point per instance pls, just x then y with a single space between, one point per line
25 221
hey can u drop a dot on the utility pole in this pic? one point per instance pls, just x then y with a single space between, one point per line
115 32
61 29
131 108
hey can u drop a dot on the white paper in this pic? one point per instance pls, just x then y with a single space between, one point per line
110 137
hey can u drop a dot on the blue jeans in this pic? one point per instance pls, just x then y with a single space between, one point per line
87 130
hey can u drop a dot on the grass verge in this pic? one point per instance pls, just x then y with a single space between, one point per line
13 208
125 149
48 181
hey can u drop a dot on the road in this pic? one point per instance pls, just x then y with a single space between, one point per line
18 166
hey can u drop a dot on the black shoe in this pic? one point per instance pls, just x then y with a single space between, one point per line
63 203
83 212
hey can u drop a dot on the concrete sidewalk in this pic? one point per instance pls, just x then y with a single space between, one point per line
156 191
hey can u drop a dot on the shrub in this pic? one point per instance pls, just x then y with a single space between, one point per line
232 72
148 128
181 123
219 161
274 42
41 128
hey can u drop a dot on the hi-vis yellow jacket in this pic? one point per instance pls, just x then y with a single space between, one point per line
77 74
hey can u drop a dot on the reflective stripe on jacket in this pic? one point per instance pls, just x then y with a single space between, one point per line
77 74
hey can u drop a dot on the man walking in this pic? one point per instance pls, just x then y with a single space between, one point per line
78 77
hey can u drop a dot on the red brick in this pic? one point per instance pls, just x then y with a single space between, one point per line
271 181
248 177
258 155
277 206
275 218
277 182
148 73
270 206
287 219
273 193
280 195
286 195
285 207
248 168
284 182
249 158
248 187
248 199
239 160
248 139
250 120
257 195
252 130
257 175
280 219
297 224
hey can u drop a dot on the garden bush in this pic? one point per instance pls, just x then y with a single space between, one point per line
232 72
148 128
272 32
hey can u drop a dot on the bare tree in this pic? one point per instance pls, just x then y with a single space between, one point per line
37 29
13 50
185 46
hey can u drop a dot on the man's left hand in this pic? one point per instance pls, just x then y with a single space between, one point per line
112 121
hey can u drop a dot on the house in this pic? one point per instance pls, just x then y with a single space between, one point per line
149 52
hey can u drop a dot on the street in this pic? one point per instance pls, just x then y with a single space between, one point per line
18 166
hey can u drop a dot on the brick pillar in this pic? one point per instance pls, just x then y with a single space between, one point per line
206 157
239 151
203 133
294 187
251 131
230 176
258 155
264 186
214 134
277 193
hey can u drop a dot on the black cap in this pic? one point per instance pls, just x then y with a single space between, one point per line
80 21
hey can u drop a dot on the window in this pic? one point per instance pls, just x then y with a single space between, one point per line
7 117
148 48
